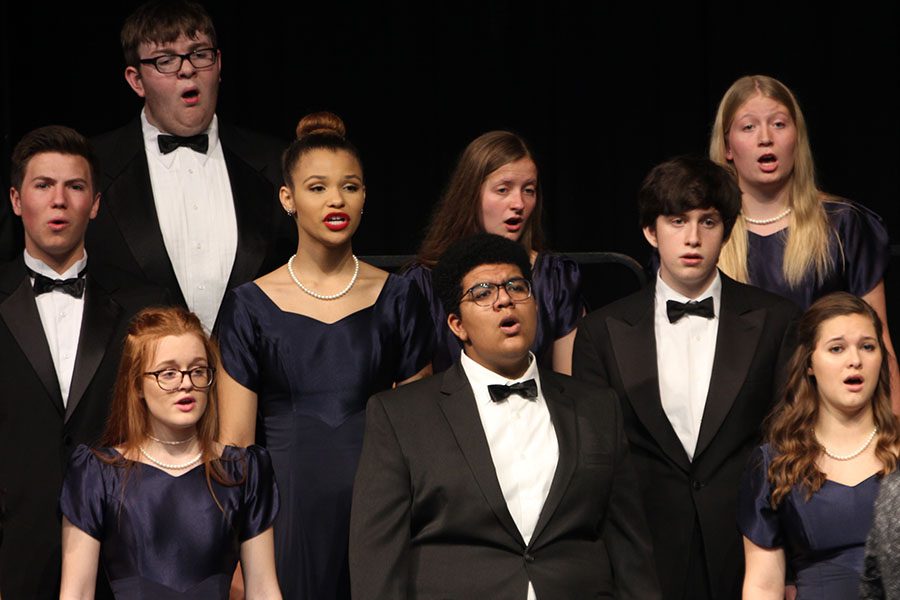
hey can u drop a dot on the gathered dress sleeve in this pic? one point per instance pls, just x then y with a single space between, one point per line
865 245
238 336
757 520
83 497
557 287
260 495
415 332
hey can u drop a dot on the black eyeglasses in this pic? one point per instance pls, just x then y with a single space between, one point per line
171 63
170 380
486 293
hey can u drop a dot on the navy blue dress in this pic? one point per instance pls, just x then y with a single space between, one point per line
824 539
859 253
557 289
164 537
312 381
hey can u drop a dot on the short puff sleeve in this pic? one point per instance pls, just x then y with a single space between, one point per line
865 245
237 331
757 520
557 287
260 494
415 330
83 497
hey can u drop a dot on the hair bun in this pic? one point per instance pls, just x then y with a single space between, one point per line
321 123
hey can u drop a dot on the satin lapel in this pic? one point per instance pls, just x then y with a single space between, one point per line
740 329
98 324
21 316
253 198
634 341
562 415
134 210
458 405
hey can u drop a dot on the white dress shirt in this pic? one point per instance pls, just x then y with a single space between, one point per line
61 318
195 208
522 441
684 359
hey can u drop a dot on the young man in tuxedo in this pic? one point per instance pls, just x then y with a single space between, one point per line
496 479
694 357
62 324
190 203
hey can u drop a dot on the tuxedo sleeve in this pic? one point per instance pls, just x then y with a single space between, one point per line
380 516
586 362
626 534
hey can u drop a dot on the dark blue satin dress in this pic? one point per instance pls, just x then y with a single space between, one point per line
859 253
557 289
824 539
164 537
313 380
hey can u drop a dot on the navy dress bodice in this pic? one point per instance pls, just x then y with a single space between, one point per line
312 381
859 255
164 537
824 538
556 287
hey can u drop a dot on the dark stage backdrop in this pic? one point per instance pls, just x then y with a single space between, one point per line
603 90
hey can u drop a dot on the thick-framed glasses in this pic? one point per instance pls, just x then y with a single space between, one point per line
171 63
486 293
170 380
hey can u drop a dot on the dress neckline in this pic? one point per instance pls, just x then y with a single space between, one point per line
325 323
872 476
153 467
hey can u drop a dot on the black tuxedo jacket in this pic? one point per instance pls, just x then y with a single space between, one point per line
429 519
37 433
616 346
126 231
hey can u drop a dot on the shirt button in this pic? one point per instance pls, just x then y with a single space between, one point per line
201 287
191 171
195 207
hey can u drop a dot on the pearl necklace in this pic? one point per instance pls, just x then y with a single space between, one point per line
779 217
343 292
174 467
852 455
175 443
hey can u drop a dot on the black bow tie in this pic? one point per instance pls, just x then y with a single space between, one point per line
526 389
73 287
170 143
675 310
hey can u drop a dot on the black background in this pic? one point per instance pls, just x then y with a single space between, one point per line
602 90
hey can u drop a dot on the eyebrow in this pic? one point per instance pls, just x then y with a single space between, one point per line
841 338
344 178
174 363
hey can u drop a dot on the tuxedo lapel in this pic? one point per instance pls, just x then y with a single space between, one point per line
98 324
633 339
562 415
19 312
253 211
740 328
135 210
458 405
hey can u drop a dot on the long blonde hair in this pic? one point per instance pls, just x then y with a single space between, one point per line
809 236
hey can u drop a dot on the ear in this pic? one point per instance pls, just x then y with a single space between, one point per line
728 154
456 326
15 200
286 198
96 206
133 77
650 235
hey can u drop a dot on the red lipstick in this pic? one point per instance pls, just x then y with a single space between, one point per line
336 221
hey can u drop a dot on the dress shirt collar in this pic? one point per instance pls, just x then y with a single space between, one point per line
664 293
151 145
38 266
481 377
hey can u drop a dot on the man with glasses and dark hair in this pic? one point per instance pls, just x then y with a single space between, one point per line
62 324
189 202
496 479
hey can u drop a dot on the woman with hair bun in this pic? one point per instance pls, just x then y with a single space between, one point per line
807 496
304 347
792 238
165 508
494 188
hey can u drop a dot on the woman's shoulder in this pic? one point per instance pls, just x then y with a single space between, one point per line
843 213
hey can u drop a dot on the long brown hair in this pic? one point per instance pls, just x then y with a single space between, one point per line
128 424
456 214
807 249
790 426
